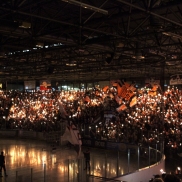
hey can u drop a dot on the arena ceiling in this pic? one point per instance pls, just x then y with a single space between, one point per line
87 40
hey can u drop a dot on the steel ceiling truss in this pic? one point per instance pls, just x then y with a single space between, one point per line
75 43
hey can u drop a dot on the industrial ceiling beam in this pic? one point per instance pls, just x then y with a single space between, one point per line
150 12
58 21
87 6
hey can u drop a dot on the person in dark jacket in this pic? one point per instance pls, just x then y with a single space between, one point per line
87 159
171 178
2 164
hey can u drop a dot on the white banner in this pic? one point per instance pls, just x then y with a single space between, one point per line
72 135
152 81
175 80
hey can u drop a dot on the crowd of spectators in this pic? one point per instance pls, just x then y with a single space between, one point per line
44 110
165 178
153 117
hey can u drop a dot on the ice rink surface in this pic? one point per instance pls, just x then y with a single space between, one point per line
37 161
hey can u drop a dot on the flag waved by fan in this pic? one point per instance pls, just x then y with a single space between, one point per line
73 136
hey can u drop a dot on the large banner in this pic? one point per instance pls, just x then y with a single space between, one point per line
45 85
152 81
175 80
73 136
124 89
29 85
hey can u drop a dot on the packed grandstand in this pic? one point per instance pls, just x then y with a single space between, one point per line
120 112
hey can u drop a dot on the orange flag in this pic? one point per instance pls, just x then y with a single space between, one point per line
87 99
133 101
105 89
121 108
155 87
152 93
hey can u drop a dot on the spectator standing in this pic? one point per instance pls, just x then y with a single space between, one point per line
2 164
87 159
158 180
171 178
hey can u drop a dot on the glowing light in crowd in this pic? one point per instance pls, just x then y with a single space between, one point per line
150 111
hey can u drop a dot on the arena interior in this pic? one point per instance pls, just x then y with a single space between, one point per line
104 75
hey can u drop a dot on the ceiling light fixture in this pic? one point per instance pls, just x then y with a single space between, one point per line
25 25
138 57
71 63
87 6
40 45
170 34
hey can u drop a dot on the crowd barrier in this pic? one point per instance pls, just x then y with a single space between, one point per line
111 145
50 137
55 137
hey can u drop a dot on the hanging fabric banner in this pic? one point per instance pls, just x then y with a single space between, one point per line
175 80
45 85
